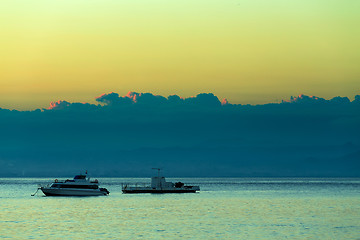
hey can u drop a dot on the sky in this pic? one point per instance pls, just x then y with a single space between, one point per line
121 86
248 51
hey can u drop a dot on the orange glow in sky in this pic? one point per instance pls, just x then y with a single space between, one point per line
248 51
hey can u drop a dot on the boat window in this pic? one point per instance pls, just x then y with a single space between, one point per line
76 186
80 177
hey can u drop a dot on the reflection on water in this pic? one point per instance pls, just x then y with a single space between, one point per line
226 208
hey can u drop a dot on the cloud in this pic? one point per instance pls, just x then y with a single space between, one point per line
340 100
148 102
202 100
224 102
199 133
304 99
61 104
147 98
113 99
75 107
357 99
134 101
175 100
205 100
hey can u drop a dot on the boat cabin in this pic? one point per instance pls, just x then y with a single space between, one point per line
160 182
83 186
80 177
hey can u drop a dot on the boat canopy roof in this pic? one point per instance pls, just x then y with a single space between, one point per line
80 177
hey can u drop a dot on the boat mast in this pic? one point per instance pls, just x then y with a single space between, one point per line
159 180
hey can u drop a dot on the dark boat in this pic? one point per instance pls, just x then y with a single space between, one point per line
159 185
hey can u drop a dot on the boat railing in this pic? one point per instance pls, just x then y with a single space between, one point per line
133 185
44 185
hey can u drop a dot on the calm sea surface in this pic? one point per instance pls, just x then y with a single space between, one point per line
226 208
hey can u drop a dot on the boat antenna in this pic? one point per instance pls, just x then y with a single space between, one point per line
158 171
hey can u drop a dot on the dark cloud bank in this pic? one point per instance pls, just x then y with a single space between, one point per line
125 136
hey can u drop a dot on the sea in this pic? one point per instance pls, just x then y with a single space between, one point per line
225 208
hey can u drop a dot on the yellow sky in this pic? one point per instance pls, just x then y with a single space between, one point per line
249 51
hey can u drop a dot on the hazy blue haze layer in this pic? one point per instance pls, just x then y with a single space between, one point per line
225 208
125 136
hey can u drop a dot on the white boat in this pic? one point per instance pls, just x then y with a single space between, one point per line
159 185
79 186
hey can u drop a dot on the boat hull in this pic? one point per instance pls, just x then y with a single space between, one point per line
72 192
159 191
